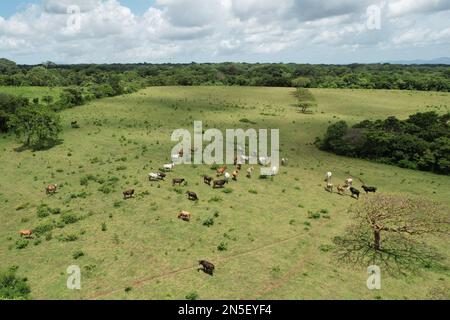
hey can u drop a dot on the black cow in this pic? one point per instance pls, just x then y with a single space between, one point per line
207 267
162 175
355 192
207 180
192 196
128 194
369 189
219 184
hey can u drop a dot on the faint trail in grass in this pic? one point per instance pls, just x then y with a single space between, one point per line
143 281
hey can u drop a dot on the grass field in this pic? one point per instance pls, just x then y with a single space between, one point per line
273 250
32 92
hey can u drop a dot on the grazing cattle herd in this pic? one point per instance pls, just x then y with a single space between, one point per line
348 185
207 266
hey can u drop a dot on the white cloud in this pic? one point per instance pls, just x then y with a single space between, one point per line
186 30
404 7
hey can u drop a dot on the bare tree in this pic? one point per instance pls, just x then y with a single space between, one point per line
390 230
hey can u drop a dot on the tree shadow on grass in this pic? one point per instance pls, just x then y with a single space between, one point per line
39 147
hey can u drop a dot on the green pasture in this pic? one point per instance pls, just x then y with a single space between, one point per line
138 249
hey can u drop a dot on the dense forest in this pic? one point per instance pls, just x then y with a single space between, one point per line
421 142
101 79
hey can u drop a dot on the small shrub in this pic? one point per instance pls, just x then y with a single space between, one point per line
192 296
227 190
43 211
69 218
22 244
13 287
208 222
104 228
78 254
215 199
326 247
313 215
68 238
252 191
222 246
43 228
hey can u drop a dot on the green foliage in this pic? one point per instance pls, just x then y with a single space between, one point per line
44 210
208 222
78 254
223 246
13 287
192 296
22 244
9 104
421 142
69 218
43 228
98 81
37 126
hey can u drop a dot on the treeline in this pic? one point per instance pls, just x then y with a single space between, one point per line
355 76
422 142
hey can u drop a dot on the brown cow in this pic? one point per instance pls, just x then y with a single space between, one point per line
177 181
185 216
340 189
207 267
51 189
235 175
207 180
26 233
128 194
221 171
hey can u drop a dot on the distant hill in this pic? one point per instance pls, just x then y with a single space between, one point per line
443 60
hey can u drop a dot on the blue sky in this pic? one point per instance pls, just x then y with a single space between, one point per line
302 31
10 7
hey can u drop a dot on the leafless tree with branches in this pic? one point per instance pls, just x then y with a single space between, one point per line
388 230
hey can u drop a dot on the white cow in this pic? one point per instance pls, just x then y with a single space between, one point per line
348 183
264 161
227 176
328 176
154 177
269 172
169 167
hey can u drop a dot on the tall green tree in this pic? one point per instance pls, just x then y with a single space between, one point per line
36 126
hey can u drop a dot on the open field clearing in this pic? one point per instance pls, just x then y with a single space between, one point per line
271 239
32 92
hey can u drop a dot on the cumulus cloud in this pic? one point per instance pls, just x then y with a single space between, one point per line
404 7
187 30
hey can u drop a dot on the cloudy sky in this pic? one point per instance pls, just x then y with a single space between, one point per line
303 31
